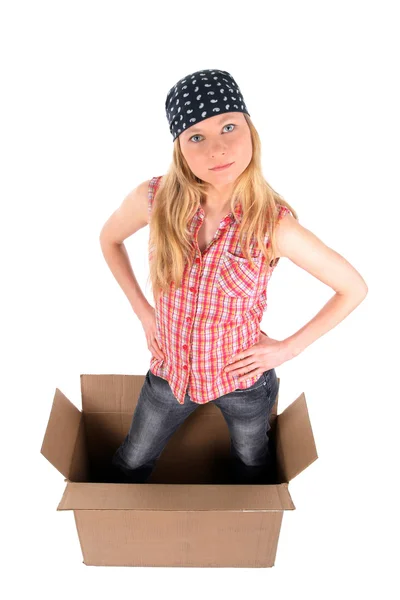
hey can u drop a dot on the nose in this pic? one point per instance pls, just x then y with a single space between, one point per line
217 147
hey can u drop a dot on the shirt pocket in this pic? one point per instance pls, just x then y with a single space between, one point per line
237 278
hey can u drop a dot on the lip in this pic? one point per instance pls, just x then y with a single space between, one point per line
222 168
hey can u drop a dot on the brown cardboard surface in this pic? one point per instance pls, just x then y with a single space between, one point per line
64 443
165 497
110 393
295 445
178 539
180 516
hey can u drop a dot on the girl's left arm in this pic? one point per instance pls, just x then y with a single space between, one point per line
307 251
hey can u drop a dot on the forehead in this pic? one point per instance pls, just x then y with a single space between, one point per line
214 121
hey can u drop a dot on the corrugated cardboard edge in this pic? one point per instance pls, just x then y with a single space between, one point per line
64 440
175 497
295 444
110 393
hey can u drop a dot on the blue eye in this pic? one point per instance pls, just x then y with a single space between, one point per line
229 125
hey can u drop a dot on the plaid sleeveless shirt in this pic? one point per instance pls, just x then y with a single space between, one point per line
214 315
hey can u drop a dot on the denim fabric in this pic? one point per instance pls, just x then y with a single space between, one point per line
158 415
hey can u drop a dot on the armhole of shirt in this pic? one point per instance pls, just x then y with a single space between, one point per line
153 187
282 212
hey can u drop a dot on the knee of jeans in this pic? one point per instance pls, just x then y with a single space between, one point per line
131 457
249 456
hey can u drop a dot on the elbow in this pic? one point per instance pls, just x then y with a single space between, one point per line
103 237
357 288
106 241
364 289
357 293
362 294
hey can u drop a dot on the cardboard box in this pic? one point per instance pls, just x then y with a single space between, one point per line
187 513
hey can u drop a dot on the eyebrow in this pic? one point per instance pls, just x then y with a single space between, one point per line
196 129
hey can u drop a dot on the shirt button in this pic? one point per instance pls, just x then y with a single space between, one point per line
185 367
185 346
197 260
188 318
192 289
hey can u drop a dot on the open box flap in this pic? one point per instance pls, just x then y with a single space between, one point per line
64 440
116 393
110 393
180 497
295 445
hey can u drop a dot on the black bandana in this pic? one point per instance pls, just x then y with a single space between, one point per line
202 95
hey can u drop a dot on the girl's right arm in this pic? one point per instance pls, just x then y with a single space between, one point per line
131 216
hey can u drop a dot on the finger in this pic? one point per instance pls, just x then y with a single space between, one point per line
156 352
235 368
157 349
248 375
248 370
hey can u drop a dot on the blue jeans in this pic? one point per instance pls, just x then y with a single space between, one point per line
158 415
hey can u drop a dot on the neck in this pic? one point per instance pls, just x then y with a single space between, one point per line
212 206
217 200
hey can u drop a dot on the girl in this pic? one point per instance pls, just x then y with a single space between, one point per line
217 231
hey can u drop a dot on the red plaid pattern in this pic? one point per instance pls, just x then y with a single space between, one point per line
213 316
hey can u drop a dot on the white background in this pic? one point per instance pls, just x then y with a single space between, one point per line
83 123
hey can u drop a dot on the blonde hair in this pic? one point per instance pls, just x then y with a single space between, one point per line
178 199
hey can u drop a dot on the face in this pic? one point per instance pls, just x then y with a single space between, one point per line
216 141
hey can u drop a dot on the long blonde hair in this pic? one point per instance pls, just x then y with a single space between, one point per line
179 197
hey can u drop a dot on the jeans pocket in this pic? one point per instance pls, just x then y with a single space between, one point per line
259 383
271 385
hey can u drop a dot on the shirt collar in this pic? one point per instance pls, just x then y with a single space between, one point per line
229 217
